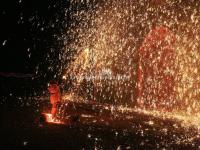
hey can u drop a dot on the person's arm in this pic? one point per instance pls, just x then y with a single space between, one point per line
60 95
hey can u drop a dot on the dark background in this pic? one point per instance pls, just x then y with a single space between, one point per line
29 32
30 42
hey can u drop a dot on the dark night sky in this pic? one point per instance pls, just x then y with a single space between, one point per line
28 31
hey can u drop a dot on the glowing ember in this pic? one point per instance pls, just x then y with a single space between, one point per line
49 119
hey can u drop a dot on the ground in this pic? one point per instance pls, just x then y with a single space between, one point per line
97 127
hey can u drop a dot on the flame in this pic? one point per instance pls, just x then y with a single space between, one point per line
49 119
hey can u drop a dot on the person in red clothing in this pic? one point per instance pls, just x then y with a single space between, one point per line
156 72
55 97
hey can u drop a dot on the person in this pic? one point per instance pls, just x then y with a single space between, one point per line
55 97
156 80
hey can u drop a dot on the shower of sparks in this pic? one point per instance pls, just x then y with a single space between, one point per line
184 128
104 39
120 58
186 120
101 58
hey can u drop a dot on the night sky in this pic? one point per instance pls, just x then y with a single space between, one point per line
29 31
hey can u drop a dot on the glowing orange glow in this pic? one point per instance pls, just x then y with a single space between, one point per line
49 119
64 77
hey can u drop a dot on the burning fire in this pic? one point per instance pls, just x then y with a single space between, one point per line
49 119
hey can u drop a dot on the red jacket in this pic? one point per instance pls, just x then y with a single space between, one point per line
55 95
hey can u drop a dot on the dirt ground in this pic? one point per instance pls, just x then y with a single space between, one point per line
92 127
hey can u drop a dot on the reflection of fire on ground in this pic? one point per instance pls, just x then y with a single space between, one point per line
90 111
94 113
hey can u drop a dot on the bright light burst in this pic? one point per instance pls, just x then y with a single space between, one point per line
105 38
49 119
